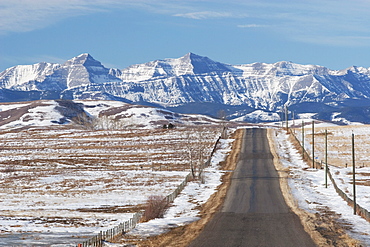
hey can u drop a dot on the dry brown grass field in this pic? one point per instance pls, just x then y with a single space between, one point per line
339 144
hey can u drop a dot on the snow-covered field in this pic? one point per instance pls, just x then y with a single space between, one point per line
308 188
64 183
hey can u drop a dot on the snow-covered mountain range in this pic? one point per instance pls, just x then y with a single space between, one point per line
196 84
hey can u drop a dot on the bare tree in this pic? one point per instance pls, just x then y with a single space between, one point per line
111 123
197 151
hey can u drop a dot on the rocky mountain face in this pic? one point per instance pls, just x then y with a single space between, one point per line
196 84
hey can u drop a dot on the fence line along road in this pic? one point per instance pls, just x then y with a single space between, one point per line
97 240
364 213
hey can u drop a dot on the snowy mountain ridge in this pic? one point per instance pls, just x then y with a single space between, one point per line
190 82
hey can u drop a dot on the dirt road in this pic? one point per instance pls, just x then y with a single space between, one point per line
254 212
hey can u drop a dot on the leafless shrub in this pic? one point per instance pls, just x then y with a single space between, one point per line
155 207
105 122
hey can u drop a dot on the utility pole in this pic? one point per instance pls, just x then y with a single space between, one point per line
354 174
303 140
313 144
286 117
326 158
282 118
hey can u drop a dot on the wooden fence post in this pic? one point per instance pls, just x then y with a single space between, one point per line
354 173
326 158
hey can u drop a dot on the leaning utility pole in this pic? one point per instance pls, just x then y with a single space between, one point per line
354 174
303 140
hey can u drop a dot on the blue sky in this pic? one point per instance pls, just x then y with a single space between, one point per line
119 33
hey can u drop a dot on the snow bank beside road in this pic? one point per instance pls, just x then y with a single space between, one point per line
308 188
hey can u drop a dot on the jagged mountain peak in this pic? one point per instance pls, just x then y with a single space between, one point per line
197 64
358 69
193 57
284 64
84 59
293 69
189 64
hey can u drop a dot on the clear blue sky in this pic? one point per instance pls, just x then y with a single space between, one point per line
119 33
